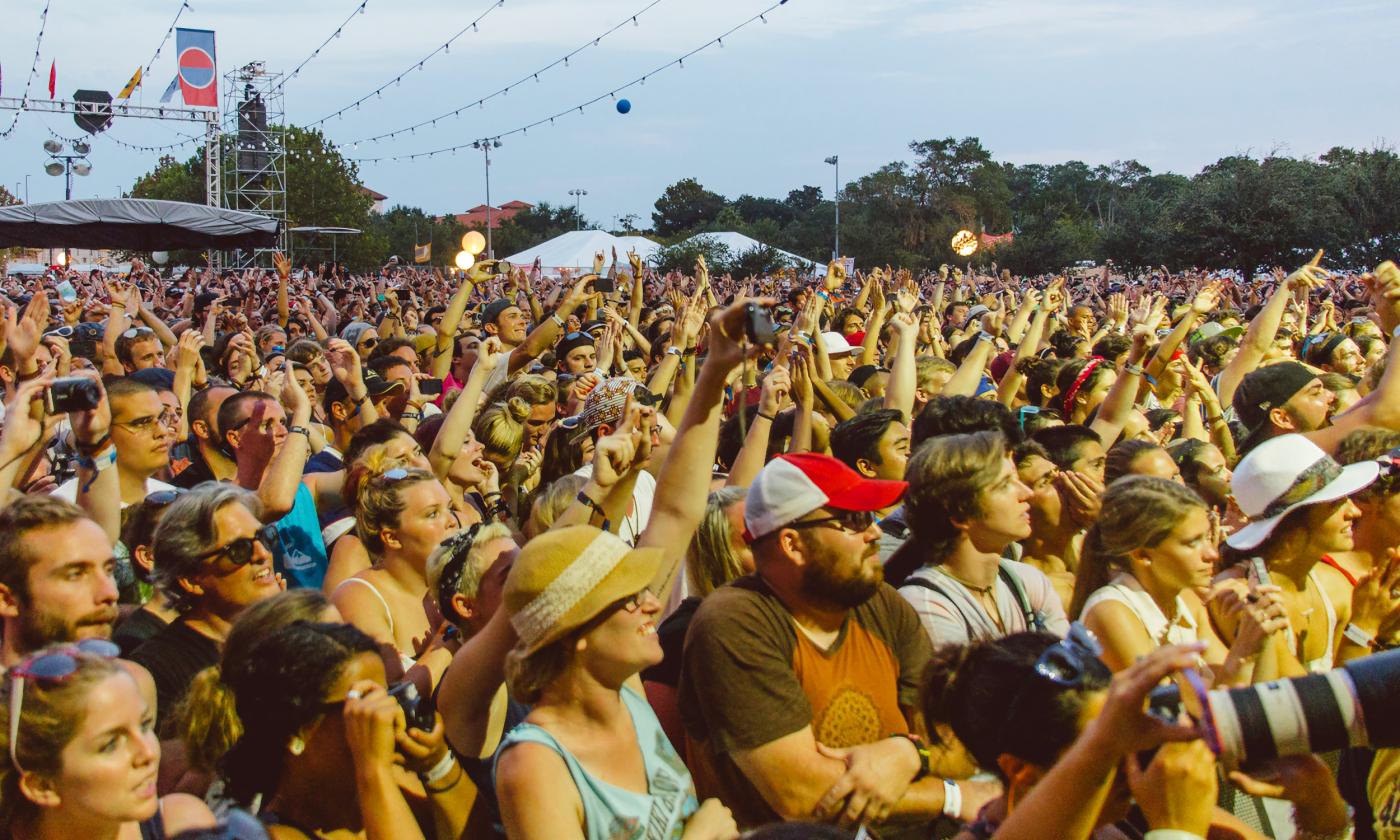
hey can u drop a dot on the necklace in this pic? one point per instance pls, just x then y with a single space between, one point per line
983 591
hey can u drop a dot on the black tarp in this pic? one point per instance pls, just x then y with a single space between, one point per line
133 224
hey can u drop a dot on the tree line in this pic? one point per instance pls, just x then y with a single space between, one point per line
1241 212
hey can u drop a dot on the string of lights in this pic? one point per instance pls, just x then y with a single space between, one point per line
188 139
579 108
33 68
535 75
170 30
417 65
359 10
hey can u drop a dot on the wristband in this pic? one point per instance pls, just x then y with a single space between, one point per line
1135 370
1395 333
300 430
952 799
1359 636
92 448
823 294
922 749
1170 834
985 336
675 351
100 461
556 319
411 415
770 418
440 770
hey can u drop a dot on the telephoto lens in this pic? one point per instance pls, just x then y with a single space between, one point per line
1350 706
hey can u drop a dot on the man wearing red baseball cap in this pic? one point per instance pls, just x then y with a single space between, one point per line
790 671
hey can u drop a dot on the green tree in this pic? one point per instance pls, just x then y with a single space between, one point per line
534 225
323 190
685 206
682 255
173 180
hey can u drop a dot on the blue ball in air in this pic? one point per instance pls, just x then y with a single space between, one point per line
623 106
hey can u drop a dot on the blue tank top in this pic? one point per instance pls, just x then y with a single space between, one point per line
612 813
301 554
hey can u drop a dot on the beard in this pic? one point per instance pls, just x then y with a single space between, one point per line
823 580
38 629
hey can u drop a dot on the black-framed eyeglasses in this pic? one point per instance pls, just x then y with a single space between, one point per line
49 668
240 551
631 604
853 521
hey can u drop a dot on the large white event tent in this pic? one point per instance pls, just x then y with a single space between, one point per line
738 243
574 250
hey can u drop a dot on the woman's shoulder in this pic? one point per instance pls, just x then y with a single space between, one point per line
182 812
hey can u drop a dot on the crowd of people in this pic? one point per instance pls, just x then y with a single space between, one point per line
318 553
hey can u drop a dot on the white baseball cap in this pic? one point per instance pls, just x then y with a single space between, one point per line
790 486
836 344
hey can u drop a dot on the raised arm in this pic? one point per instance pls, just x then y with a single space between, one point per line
684 482
458 422
776 386
284 275
1113 412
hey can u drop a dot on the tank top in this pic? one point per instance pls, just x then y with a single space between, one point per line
611 812
404 659
1325 661
1126 590
301 553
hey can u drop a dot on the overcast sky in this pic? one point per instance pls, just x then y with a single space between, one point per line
1175 85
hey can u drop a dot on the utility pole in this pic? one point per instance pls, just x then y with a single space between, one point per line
835 161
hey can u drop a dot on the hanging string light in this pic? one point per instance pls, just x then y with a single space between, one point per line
417 65
33 70
359 10
549 120
535 75
169 30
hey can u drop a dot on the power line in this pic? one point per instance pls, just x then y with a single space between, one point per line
417 65
33 69
564 60
611 94
359 10
170 30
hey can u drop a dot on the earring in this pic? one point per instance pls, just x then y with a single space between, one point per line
297 746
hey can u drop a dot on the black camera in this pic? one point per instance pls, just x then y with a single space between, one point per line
1350 706
604 284
758 325
73 393
417 712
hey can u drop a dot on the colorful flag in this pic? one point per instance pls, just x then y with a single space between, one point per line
198 74
131 85
423 253
53 77
170 89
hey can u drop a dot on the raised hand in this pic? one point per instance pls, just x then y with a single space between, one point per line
282 264
835 275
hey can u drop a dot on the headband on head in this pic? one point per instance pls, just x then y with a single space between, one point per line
1079 381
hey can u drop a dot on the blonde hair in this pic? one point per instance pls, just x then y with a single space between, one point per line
379 503
551 500
529 674
1139 511
501 427
473 569
206 718
710 561
50 715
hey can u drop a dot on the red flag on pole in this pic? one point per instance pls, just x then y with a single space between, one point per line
53 77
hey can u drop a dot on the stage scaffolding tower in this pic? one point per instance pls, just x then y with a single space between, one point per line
255 153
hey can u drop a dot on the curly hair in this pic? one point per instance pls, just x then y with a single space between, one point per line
279 689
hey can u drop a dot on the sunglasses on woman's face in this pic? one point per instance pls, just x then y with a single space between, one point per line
240 551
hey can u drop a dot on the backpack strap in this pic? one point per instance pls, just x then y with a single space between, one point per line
1013 582
928 584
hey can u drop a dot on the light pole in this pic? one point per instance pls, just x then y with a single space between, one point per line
578 195
486 146
835 161
76 162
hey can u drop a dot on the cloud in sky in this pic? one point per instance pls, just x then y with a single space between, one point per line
1174 84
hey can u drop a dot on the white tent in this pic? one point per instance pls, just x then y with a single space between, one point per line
574 250
738 243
